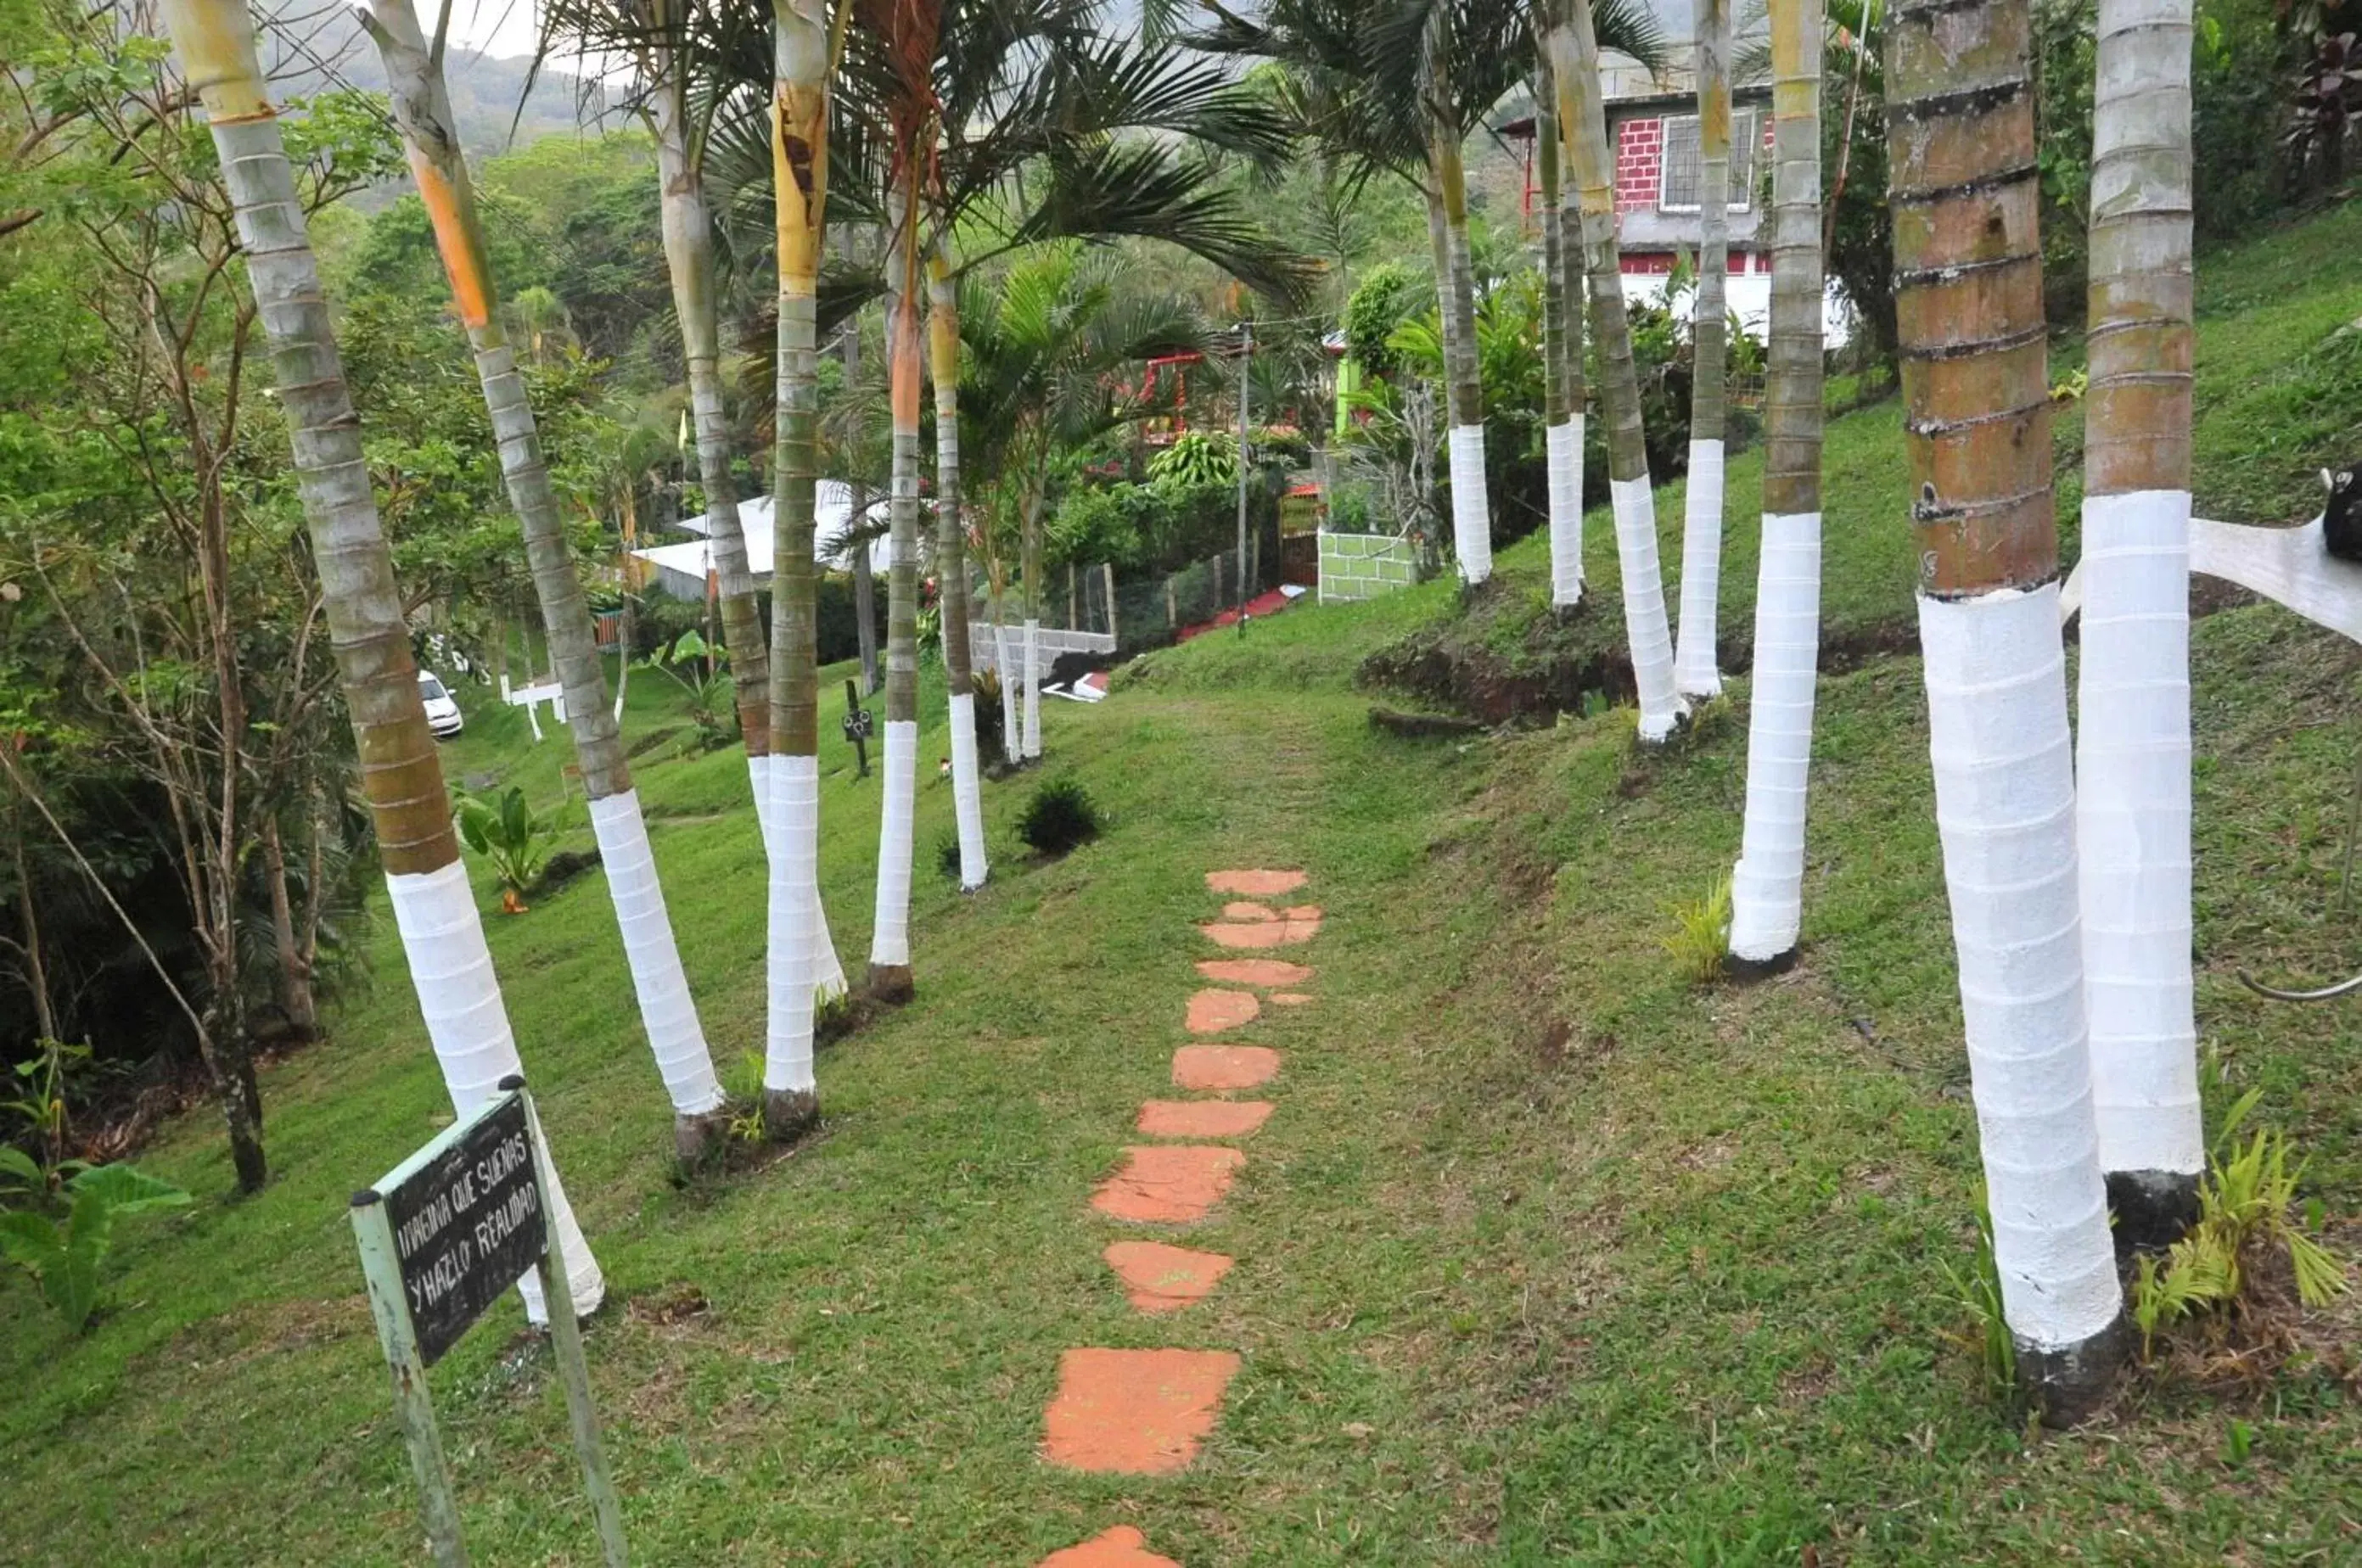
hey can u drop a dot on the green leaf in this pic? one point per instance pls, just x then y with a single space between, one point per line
15 1162
71 1286
128 1189
31 1241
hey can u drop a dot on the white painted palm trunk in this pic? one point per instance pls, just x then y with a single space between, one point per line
2005 807
654 957
1033 744
2132 824
1644 606
889 941
1564 456
968 792
828 973
1694 673
1472 510
467 1024
794 909
1012 735
1767 886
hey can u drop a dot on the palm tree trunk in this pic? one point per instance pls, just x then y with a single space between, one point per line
799 185
1583 125
1030 647
1464 390
864 584
1562 425
1767 885
951 568
688 256
1968 267
1012 734
890 942
1693 657
422 108
2132 822
442 933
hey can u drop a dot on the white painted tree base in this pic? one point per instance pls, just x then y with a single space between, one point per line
1767 886
1565 455
1033 744
968 793
467 1024
794 915
1694 671
2005 808
890 942
667 1010
2132 831
1645 629
1471 510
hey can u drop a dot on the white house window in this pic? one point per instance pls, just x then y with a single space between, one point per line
1677 190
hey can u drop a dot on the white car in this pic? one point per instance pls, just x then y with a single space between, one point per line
442 711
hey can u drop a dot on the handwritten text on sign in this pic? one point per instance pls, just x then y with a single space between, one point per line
466 1225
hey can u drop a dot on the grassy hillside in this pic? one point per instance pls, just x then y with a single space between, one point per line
1547 1256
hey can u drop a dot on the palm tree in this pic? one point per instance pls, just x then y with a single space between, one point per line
1694 655
1767 885
951 564
1562 347
803 61
442 933
2132 818
422 108
1967 261
1575 48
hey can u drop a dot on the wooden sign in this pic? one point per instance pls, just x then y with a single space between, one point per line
441 1238
466 1215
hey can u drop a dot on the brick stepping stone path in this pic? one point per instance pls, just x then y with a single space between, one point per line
1161 1278
1134 1412
1123 1547
1212 1069
1211 1012
1255 972
1168 1184
1255 884
1289 998
1249 912
1203 1118
1299 923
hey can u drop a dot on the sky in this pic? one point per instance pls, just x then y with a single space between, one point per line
500 28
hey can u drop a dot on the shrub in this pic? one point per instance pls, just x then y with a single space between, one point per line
511 834
1197 457
64 1256
1702 933
1060 818
1390 294
947 857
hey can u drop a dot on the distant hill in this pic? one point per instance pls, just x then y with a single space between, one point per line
327 51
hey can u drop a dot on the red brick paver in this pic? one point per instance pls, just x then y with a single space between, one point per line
1203 1118
1217 1068
1134 1412
1161 1279
1168 1184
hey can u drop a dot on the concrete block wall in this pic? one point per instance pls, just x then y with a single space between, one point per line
1364 565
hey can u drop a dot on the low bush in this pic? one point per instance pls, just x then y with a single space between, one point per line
1060 818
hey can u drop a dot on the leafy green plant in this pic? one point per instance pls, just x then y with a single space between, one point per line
1060 818
1197 457
64 1256
40 1106
1702 933
1977 1293
743 1083
509 833
702 671
947 857
2247 1209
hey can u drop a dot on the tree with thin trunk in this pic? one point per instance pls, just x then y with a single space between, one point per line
889 943
804 56
1582 130
2133 808
1561 349
422 108
1694 673
952 595
434 910
1964 189
1767 885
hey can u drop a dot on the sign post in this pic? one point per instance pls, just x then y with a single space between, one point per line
442 1236
858 727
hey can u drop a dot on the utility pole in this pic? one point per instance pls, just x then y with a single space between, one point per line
1246 363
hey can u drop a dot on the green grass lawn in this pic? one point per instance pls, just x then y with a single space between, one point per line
1547 1256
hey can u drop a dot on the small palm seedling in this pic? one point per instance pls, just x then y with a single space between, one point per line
2246 1214
1060 818
702 671
512 835
1977 1293
1702 933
